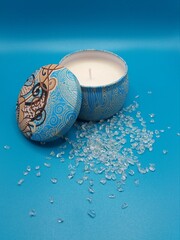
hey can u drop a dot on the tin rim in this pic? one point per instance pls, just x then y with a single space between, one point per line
105 51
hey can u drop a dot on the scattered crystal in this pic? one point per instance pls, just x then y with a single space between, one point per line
52 153
54 180
60 220
152 121
123 141
25 173
70 176
62 160
112 196
178 134
85 178
38 174
168 127
165 151
152 167
107 129
137 96
120 189
91 182
107 176
124 205
7 147
103 181
152 115
156 132
91 190
48 165
80 181
131 172
20 182
58 155
89 199
37 167
28 168
113 177
143 170
71 156
123 177
32 213
108 148
91 213
136 182
51 200
149 92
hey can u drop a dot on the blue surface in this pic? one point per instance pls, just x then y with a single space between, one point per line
146 35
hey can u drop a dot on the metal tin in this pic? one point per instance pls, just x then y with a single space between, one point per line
49 103
101 102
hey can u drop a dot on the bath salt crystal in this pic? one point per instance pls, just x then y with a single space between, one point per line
165 151
60 220
89 199
103 181
111 196
28 168
38 174
108 149
152 167
32 213
51 200
54 180
80 181
37 167
124 205
91 213
91 190
136 182
25 173
7 147
20 182
48 165
52 153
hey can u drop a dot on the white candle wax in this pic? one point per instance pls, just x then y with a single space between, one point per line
95 68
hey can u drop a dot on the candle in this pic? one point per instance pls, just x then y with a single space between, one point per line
103 79
95 68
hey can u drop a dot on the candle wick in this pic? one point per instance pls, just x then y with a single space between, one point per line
90 73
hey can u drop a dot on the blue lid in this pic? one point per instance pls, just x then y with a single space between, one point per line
49 103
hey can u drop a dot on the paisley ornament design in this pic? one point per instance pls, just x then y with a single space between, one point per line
49 103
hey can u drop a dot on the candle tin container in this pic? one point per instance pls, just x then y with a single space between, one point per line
53 97
48 103
102 102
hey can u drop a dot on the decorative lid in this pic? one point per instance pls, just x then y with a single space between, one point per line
49 103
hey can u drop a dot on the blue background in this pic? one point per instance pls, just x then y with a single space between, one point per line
146 35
